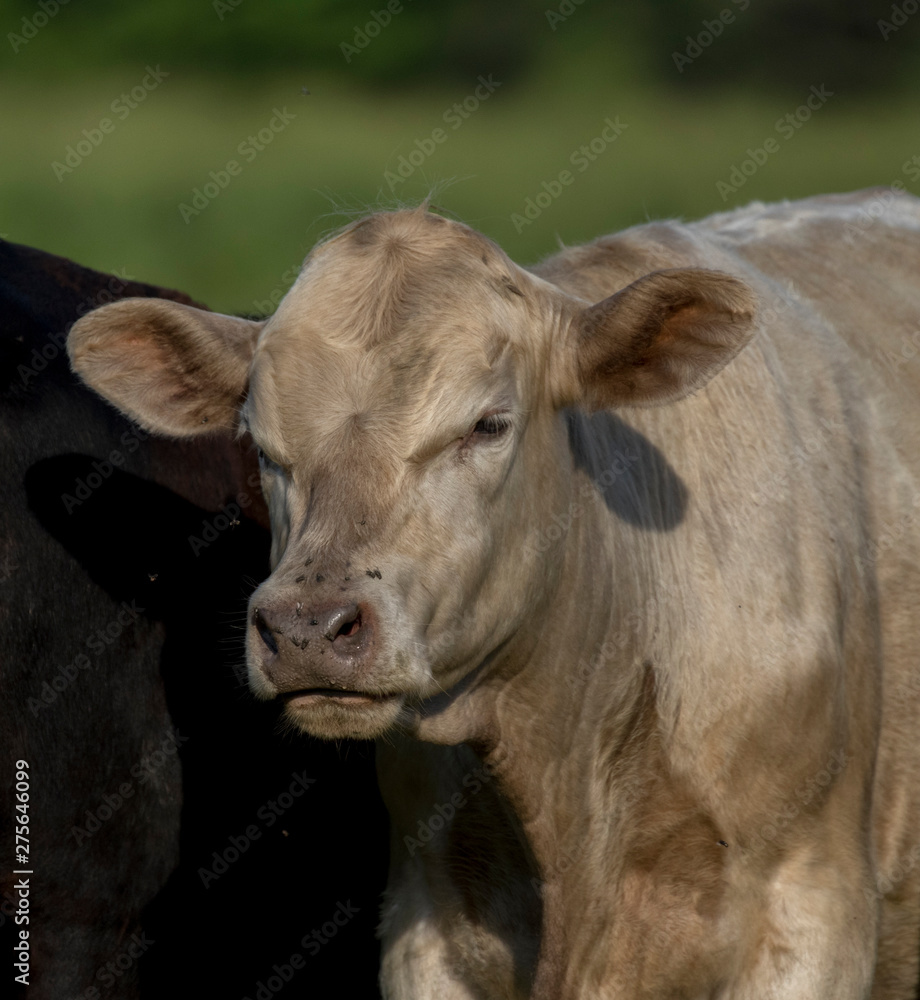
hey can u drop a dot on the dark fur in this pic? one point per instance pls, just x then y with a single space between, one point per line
62 576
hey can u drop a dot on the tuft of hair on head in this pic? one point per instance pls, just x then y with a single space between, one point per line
432 201
353 212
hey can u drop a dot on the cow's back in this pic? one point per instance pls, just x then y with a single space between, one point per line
856 263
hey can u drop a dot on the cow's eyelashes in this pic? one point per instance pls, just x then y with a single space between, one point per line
492 425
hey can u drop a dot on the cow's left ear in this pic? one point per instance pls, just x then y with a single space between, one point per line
176 370
657 340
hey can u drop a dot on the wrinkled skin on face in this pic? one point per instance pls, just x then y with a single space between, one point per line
405 400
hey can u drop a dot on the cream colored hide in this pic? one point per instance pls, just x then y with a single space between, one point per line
617 559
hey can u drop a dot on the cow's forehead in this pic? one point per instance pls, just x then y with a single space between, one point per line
402 321
369 283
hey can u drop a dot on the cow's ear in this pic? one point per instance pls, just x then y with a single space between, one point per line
174 369
657 340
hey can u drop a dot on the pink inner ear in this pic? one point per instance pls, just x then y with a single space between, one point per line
678 323
661 338
175 369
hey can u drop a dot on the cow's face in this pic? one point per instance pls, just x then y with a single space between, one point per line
404 399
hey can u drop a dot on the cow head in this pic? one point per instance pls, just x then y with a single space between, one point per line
405 402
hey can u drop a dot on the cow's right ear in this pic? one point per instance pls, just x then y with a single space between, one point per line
174 369
657 340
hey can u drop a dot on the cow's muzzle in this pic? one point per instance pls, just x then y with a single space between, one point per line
323 661
326 647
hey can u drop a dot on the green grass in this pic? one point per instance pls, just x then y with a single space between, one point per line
120 207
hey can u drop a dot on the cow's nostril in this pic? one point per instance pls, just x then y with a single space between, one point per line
264 631
343 623
349 628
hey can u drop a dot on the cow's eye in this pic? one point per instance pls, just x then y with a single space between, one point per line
492 425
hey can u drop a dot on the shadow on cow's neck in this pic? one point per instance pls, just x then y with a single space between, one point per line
634 478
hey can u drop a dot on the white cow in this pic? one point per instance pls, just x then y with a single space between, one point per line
635 624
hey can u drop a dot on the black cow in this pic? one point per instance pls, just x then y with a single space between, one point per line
169 826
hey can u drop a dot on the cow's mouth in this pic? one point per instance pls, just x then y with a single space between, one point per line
337 713
312 696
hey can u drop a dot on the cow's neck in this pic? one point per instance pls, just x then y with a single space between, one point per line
575 688
569 717
571 729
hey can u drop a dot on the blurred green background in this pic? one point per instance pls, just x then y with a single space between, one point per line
361 87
